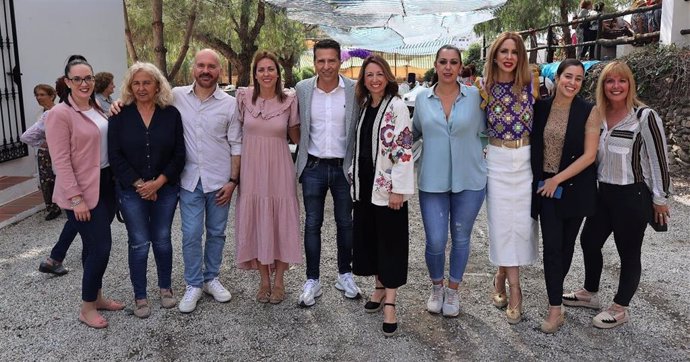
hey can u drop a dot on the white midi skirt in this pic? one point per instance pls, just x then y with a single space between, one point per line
512 231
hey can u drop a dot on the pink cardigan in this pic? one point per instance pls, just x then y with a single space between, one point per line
75 144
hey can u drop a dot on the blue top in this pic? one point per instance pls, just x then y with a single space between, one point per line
452 152
139 152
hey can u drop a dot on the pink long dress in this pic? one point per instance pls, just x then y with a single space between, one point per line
267 211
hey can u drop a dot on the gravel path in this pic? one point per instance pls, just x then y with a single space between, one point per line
38 313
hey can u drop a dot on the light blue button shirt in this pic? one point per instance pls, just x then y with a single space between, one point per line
452 152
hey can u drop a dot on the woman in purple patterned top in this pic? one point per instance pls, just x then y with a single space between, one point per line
509 94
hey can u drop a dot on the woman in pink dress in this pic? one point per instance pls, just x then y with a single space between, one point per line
267 212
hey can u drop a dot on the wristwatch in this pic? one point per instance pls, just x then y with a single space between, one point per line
236 181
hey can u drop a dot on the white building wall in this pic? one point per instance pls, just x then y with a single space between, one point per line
48 32
675 15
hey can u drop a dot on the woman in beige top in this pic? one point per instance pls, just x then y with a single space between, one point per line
564 145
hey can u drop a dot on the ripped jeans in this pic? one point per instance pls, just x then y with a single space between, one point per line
438 209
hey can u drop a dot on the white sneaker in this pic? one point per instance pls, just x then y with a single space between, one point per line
188 302
312 289
347 284
217 290
451 303
435 302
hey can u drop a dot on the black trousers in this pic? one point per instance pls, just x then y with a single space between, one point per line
559 237
624 211
381 236
588 35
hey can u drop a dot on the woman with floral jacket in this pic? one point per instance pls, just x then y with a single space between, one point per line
383 180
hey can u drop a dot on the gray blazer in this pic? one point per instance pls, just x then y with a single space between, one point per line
305 89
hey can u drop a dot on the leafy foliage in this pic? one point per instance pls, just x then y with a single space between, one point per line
662 74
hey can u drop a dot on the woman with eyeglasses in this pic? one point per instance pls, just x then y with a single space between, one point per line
147 153
452 174
509 90
77 131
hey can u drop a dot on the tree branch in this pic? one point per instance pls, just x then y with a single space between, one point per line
128 36
185 43
217 44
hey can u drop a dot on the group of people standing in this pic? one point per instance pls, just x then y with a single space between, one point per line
538 164
494 139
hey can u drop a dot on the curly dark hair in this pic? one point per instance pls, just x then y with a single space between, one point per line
103 80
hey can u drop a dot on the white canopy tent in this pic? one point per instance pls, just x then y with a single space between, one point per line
411 27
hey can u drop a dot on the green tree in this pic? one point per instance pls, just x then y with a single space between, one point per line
145 34
518 15
286 39
473 54
232 28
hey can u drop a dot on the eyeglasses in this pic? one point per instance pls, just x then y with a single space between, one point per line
452 62
80 80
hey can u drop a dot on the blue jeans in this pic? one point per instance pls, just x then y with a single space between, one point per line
193 205
317 178
148 222
461 209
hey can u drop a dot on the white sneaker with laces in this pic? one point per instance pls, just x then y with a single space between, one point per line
435 302
312 289
451 303
188 302
217 290
346 283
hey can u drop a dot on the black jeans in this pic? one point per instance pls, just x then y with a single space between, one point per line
624 211
559 237
96 237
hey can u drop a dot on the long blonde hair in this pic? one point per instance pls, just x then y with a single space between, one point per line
622 70
522 72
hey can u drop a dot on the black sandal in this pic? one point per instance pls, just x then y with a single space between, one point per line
373 307
389 329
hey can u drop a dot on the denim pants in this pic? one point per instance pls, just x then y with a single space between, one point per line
148 222
202 264
59 251
438 209
96 238
317 178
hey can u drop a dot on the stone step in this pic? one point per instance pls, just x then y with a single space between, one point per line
15 187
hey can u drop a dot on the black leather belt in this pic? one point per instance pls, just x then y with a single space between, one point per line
328 161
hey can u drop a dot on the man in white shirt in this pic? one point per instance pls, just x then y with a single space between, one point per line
328 115
212 136
212 139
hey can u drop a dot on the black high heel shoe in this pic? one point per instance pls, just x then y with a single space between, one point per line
389 329
373 307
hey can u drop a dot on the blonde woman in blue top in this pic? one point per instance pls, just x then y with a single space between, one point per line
452 174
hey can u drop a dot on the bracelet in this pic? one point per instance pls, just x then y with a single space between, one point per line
74 202
234 180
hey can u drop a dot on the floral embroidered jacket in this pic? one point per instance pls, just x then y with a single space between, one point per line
391 151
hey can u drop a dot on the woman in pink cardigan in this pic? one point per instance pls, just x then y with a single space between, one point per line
77 131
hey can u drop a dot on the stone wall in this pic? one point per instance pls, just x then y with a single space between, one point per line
663 83
677 124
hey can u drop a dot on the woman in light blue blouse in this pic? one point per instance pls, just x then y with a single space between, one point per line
452 174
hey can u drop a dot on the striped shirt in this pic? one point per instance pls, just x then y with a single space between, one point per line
634 151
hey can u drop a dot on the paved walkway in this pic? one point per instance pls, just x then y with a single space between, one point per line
38 313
